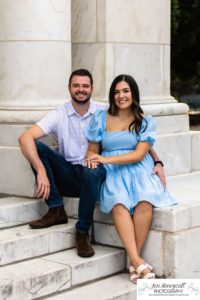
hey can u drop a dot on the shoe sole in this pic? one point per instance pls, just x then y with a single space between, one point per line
86 254
39 227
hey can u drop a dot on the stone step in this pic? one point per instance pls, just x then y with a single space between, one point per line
17 210
173 229
178 150
117 287
185 188
22 242
57 272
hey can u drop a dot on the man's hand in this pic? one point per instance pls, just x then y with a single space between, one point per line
93 160
43 186
158 169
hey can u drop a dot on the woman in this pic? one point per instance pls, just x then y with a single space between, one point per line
125 136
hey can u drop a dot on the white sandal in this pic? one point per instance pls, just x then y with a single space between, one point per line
149 266
133 275
143 267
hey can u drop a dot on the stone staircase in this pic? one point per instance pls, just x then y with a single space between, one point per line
42 264
38 263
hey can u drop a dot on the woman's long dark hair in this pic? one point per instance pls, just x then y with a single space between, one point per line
136 109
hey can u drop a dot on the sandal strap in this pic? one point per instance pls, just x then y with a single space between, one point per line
149 266
134 276
141 268
149 276
131 269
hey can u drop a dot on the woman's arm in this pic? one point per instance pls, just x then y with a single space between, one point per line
138 154
158 169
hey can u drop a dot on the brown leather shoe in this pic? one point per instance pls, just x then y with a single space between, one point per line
83 246
54 216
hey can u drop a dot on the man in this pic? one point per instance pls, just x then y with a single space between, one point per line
63 173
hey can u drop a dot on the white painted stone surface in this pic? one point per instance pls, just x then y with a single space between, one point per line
164 109
18 178
123 290
185 187
182 254
42 276
154 251
35 57
106 261
195 150
35 20
106 234
84 21
99 21
33 279
17 211
175 151
22 242
130 59
172 124
9 134
92 56
34 73
135 27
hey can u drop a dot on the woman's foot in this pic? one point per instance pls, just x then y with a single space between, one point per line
144 271
133 275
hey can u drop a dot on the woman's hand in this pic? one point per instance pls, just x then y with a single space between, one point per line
93 160
158 169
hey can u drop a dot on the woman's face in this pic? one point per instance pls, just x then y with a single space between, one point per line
123 97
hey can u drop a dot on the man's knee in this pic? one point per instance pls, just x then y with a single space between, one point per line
41 147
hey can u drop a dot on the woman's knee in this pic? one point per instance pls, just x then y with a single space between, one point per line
144 206
119 209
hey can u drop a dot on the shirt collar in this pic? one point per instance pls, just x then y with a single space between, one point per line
71 111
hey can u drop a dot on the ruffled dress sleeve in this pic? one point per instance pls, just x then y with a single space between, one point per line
96 126
149 134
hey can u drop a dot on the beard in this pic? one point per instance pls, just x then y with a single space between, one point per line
80 102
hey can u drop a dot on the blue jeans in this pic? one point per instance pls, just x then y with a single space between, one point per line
72 181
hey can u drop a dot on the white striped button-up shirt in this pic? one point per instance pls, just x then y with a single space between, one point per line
69 127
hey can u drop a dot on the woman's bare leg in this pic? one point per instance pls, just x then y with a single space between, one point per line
125 228
142 219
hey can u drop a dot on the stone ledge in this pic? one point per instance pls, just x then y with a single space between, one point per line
17 211
185 188
123 290
57 272
22 242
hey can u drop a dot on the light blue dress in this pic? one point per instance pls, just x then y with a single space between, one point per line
127 184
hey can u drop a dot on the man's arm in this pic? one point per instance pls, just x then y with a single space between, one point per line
27 144
158 169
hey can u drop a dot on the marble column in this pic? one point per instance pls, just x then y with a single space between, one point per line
110 37
35 57
114 36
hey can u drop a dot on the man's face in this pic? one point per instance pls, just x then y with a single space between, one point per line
80 89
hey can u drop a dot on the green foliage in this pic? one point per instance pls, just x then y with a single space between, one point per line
185 50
